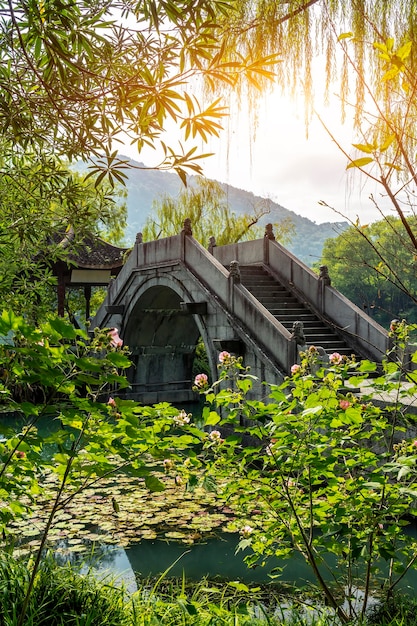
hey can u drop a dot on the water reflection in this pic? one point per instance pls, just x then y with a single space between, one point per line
214 558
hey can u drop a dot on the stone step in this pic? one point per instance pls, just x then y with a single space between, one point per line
287 309
257 280
318 337
288 318
291 309
272 294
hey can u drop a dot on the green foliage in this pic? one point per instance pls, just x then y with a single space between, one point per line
374 266
399 609
332 470
328 471
78 78
40 200
62 374
60 596
205 203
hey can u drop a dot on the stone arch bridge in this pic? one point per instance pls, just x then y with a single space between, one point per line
243 298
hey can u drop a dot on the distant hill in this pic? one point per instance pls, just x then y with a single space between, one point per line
144 186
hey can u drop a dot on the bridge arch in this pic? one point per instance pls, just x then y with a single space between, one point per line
162 336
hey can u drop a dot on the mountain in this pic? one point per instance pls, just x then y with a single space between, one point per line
144 186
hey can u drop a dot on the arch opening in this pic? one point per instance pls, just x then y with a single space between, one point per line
163 339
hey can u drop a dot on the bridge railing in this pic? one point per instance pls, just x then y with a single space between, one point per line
241 304
363 331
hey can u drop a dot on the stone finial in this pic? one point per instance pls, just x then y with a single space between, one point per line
394 325
297 334
234 271
212 244
187 227
139 238
324 275
269 232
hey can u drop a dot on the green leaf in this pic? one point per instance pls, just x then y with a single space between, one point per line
367 366
62 327
154 484
118 359
239 586
212 419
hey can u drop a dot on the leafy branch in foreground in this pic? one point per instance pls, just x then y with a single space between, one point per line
332 470
62 377
79 78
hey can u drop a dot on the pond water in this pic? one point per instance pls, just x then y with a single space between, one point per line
214 558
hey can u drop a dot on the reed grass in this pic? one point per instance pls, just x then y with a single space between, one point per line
62 596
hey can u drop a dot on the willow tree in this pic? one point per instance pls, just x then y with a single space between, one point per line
78 77
301 31
368 52
205 204
385 153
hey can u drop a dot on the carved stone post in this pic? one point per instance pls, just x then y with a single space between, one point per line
187 227
298 341
212 245
269 236
186 232
324 281
234 279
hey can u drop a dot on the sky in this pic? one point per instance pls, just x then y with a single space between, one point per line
277 160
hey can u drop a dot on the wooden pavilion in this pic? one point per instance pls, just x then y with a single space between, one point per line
89 262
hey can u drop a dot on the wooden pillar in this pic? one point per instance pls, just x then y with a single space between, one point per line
61 294
87 294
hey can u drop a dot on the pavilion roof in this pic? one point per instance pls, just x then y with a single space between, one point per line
90 252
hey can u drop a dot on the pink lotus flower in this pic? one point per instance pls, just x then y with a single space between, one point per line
295 368
335 358
167 463
224 356
115 340
344 404
201 381
246 531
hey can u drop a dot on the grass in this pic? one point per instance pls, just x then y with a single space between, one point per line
64 597
61 596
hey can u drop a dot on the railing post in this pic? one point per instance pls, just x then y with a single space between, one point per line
138 242
186 232
269 236
324 281
234 279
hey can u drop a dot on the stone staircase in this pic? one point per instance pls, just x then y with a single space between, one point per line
287 309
